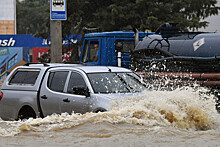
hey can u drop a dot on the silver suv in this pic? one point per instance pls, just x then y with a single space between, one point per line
38 90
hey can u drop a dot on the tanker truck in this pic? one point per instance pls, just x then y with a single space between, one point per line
190 51
183 58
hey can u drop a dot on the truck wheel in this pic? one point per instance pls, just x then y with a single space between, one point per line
26 112
99 110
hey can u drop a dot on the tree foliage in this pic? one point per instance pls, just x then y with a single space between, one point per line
150 14
33 15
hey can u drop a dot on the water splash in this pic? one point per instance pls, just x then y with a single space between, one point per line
184 108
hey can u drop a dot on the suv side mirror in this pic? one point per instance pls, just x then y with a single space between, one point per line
81 91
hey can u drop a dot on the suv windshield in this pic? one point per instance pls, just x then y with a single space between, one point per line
116 82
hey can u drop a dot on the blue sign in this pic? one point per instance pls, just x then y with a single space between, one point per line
31 41
22 41
58 10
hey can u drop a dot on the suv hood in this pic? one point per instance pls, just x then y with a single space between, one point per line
113 96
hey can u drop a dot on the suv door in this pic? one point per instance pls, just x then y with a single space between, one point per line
76 101
52 91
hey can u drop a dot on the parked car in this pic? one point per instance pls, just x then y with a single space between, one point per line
39 90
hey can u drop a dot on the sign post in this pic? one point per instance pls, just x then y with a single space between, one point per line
57 13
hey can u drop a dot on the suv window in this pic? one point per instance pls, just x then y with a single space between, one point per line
76 80
22 77
57 80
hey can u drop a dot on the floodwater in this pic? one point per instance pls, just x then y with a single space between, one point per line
181 117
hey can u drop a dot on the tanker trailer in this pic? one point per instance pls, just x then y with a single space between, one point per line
182 57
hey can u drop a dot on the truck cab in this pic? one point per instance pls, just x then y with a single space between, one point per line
103 48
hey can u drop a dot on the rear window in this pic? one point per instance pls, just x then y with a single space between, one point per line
24 77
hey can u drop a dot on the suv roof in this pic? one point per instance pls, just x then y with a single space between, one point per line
96 69
86 69
51 64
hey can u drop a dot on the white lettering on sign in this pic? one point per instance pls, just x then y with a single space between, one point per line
65 42
198 43
46 42
10 42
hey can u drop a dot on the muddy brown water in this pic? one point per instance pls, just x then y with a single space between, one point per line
182 117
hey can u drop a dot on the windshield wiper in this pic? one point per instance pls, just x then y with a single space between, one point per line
127 86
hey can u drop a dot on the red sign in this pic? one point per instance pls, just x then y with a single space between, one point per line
39 51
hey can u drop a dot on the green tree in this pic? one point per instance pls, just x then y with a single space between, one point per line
82 13
150 14
33 17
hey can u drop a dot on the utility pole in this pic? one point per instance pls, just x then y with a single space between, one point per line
56 41
57 14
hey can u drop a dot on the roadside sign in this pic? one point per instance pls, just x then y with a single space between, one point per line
58 9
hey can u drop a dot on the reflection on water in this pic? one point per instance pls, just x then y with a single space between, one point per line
183 108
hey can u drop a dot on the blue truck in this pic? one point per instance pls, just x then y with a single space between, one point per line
109 48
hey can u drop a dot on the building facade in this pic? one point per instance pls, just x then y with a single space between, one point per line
7 17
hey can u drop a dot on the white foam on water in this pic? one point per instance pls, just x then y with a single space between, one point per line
184 108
